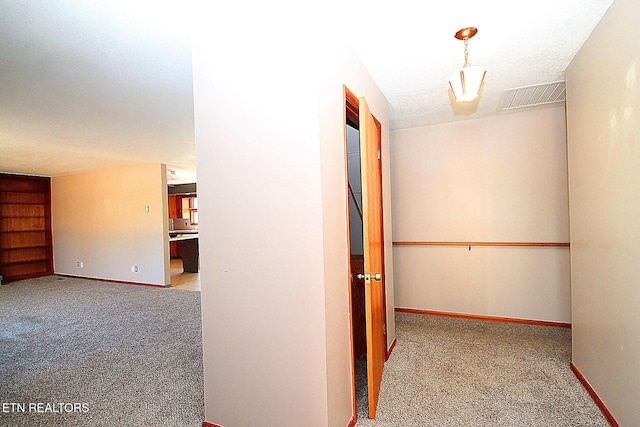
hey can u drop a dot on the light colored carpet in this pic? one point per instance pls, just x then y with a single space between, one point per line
132 354
457 372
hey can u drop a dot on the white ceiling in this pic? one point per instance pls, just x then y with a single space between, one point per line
89 84
414 51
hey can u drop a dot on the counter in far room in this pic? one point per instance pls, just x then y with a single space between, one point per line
189 246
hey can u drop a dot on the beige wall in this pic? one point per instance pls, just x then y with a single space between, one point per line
272 194
498 179
99 219
603 107
260 202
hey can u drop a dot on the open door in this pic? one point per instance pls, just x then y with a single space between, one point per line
370 149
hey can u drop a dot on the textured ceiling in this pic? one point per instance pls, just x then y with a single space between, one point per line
411 50
90 84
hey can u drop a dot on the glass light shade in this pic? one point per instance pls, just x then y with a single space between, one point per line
467 83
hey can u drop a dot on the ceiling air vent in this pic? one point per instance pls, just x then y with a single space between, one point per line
545 94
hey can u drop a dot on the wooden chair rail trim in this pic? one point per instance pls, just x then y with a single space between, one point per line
508 244
594 396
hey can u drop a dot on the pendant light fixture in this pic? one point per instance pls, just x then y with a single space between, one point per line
466 83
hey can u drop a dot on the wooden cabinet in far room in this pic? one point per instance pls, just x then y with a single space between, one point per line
175 211
172 207
182 206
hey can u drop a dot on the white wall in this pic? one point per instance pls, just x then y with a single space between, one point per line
99 219
498 179
272 192
603 107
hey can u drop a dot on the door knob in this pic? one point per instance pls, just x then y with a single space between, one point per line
367 277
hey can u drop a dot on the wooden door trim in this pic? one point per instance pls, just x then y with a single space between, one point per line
350 111
352 106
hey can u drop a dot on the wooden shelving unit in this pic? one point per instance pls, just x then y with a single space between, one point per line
25 227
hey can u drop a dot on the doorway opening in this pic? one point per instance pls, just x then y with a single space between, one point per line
358 328
366 257
183 236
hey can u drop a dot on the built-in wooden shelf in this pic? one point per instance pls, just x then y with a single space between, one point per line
32 261
25 227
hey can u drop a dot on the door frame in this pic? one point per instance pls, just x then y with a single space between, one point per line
351 105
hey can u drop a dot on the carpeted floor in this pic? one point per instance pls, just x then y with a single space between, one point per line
447 372
108 354
86 353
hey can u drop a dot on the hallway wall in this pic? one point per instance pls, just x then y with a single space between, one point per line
497 179
273 205
603 118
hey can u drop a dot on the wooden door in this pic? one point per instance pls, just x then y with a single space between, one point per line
373 251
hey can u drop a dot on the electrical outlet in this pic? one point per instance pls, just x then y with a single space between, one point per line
80 264
134 269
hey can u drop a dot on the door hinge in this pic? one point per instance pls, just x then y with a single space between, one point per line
379 156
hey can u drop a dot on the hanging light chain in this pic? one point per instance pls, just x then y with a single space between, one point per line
466 51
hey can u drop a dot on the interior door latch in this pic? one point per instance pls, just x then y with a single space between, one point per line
369 277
